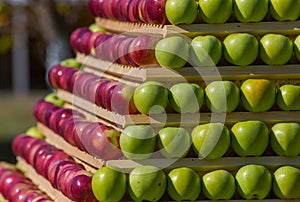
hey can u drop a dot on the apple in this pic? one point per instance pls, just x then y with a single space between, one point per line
297 47
151 97
146 183
286 182
186 97
288 97
96 28
133 15
253 181
109 184
275 49
285 139
183 184
249 138
287 10
211 140
205 50
258 95
70 62
34 132
174 142
172 52
138 142
240 49
218 185
222 96
54 99
181 11
157 12
215 11
250 11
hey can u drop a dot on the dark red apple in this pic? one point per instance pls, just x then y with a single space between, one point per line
133 11
100 93
100 45
75 36
156 12
122 100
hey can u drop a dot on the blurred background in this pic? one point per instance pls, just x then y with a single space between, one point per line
34 35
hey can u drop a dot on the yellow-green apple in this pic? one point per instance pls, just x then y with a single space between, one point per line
222 96
96 28
109 184
275 49
186 97
286 182
297 47
285 10
54 99
174 142
183 184
285 139
249 138
240 49
205 51
210 141
218 185
258 95
288 97
250 11
138 142
147 183
151 97
34 132
215 11
181 11
70 62
253 181
172 52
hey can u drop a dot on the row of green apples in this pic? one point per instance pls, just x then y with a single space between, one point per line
211 140
150 183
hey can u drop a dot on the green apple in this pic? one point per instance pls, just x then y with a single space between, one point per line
181 11
205 51
147 183
285 139
138 142
240 49
183 184
186 97
253 181
96 28
297 47
215 11
258 95
288 97
250 11
222 96
285 10
218 185
286 182
70 62
109 184
275 49
172 52
174 142
211 140
34 132
54 99
151 97
249 138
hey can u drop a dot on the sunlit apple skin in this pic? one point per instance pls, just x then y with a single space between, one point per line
215 11
258 95
285 139
151 97
205 51
286 182
297 47
218 185
183 184
287 10
109 184
181 11
222 96
138 142
210 141
240 49
186 97
275 49
250 11
288 97
147 183
249 138
172 52
174 142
